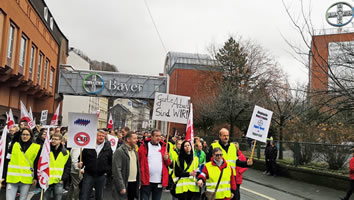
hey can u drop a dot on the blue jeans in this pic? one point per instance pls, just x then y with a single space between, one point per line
146 190
89 182
56 189
11 190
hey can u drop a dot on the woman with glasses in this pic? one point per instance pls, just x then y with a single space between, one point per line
185 172
218 176
23 163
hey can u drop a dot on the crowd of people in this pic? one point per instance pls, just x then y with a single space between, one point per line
142 165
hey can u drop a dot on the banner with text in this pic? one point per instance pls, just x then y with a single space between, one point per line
171 108
259 125
82 130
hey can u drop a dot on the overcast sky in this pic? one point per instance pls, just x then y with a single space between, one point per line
122 33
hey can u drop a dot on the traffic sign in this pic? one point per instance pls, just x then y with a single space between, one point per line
82 139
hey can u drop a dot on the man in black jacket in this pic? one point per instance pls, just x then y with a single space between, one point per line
96 165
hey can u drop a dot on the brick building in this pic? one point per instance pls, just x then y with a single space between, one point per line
31 49
323 46
189 75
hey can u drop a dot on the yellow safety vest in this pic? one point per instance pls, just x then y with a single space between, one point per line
173 157
56 167
19 169
230 156
224 189
186 184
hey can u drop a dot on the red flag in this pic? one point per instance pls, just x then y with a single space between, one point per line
10 120
110 121
43 164
55 117
2 150
190 130
98 113
25 116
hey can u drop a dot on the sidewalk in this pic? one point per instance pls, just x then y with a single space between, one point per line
293 187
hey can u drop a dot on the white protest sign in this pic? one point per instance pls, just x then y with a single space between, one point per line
82 130
113 140
259 125
171 108
44 115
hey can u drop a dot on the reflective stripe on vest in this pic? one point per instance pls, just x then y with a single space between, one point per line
186 184
224 189
19 169
56 167
230 156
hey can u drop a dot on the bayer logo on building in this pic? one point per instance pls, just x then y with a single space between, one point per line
339 14
93 83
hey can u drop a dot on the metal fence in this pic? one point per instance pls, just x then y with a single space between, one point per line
313 155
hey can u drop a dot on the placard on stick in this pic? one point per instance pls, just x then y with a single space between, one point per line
82 130
259 124
171 108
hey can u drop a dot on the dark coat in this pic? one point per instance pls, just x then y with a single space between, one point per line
98 166
121 170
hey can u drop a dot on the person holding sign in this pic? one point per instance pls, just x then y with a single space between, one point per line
23 163
97 164
218 176
185 171
153 159
229 151
59 168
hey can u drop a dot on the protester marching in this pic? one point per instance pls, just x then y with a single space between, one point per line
79 161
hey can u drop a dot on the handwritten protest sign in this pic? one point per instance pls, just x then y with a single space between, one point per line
171 108
82 130
259 125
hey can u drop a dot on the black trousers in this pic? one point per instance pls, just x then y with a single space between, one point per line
237 194
132 191
350 191
273 167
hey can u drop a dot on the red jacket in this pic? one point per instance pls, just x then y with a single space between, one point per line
205 175
144 166
240 170
351 168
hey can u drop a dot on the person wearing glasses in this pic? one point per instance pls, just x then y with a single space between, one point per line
22 168
229 151
59 168
210 176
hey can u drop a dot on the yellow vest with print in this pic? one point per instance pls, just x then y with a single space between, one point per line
224 189
19 169
230 156
186 184
173 157
56 167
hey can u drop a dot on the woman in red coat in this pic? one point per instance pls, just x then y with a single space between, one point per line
239 171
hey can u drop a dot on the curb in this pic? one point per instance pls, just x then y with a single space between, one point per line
275 188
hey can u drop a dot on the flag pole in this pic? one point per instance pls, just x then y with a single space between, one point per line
80 154
254 146
41 193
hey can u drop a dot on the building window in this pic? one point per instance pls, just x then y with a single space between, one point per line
51 23
51 77
46 14
10 41
33 52
45 73
39 68
23 51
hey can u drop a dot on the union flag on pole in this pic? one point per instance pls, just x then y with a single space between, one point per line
55 118
110 121
2 150
43 164
25 116
10 122
190 129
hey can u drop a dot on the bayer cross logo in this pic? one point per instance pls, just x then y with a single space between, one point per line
93 83
339 14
